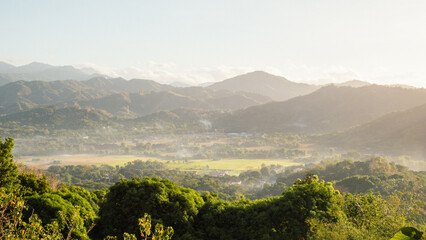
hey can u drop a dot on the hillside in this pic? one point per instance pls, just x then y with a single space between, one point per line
331 108
276 87
123 85
4 79
138 104
145 103
22 95
397 132
61 118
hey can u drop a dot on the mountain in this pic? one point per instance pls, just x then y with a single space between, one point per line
61 118
21 95
31 68
122 85
145 103
60 73
4 67
45 72
331 108
276 87
399 132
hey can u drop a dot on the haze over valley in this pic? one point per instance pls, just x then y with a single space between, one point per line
252 104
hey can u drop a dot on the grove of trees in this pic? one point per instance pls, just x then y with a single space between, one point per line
309 209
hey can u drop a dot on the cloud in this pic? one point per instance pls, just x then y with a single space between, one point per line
407 78
170 72
14 60
317 75
338 74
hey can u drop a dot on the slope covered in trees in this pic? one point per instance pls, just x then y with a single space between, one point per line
309 209
53 117
145 103
22 95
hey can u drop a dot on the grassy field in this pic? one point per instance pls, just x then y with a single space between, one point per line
232 166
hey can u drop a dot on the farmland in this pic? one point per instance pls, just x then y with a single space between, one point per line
230 166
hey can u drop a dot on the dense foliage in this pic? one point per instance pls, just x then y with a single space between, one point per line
128 200
309 209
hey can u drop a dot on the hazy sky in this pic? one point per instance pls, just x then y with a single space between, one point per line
381 41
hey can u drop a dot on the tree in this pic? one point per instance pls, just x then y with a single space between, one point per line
159 233
30 184
408 233
8 170
72 209
13 226
306 199
128 200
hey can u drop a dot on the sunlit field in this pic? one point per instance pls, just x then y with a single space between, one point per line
231 166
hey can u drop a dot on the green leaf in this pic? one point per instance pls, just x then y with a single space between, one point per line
408 233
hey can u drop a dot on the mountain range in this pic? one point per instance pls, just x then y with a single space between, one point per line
350 116
131 98
353 115
42 71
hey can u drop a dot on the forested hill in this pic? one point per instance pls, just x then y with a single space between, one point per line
331 108
23 95
123 85
145 103
307 209
276 87
52 118
397 132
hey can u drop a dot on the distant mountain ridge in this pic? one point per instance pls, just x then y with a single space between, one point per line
45 72
331 108
123 85
132 98
259 82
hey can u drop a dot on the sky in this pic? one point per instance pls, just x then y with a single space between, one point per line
194 41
